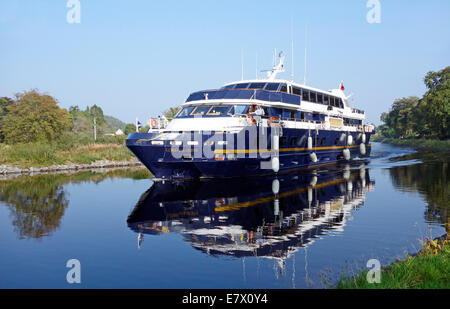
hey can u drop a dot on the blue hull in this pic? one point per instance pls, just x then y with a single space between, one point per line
159 158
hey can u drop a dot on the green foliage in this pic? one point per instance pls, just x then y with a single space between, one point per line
5 104
130 128
428 117
171 112
34 117
427 270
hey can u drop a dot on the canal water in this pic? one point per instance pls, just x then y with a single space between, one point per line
296 231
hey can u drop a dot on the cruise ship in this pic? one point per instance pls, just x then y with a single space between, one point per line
254 127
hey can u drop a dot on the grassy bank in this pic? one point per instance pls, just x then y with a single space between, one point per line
429 269
40 155
417 143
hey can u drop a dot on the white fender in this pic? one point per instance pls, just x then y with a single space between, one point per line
276 143
364 138
362 149
350 140
313 181
346 154
275 164
276 207
310 195
310 143
313 157
275 186
346 174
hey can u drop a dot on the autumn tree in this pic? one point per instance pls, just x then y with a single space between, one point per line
35 117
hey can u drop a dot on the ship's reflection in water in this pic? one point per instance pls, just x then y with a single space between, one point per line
257 217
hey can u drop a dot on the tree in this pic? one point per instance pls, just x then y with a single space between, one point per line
130 128
35 117
171 112
5 104
435 104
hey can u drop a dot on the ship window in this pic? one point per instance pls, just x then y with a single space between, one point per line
283 141
229 86
293 141
257 86
293 115
201 110
283 88
320 98
272 87
276 112
339 103
313 97
322 142
218 110
326 100
296 90
239 109
332 101
302 116
336 141
241 86
185 112
305 95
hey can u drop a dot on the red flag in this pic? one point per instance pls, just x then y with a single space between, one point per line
342 86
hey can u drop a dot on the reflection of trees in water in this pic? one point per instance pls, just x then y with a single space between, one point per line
431 179
37 203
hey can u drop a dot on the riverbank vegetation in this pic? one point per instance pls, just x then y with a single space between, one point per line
419 119
36 132
429 269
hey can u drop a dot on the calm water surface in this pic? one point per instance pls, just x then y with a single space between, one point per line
296 231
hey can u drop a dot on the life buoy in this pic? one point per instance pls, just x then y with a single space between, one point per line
251 119
154 123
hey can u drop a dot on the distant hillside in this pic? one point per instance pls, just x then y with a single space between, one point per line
115 123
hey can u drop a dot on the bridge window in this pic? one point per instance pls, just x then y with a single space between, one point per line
257 86
239 109
313 97
272 87
229 86
218 110
201 110
296 90
283 88
339 103
305 95
326 100
241 86
185 112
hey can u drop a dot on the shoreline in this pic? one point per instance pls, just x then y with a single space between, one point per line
418 144
426 263
16 170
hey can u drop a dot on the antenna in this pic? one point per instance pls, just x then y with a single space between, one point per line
292 49
242 64
306 42
256 65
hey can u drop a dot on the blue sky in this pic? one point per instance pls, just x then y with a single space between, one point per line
137 58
